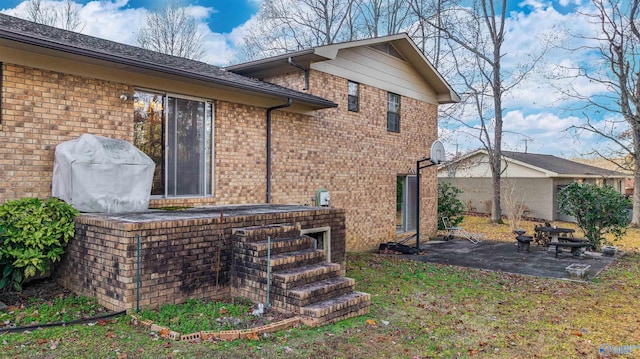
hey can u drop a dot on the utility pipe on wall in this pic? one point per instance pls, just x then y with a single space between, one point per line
269 110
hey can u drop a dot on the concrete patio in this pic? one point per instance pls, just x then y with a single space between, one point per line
504 257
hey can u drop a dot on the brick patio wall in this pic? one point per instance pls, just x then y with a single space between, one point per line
178 258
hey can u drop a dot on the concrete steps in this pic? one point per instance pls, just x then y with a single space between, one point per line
302 281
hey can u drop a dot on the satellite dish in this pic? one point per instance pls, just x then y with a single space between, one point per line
437 154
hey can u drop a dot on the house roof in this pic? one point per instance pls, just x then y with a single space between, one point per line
551 165
280 64
26 35
560 166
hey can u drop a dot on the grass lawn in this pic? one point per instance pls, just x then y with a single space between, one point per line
420 310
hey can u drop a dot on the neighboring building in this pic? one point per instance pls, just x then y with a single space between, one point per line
537 179
350 118
621 164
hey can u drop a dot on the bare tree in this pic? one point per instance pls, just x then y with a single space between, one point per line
513 201
382 17
312 22
617 44
172 30
290 25
69 16
475 37
66 15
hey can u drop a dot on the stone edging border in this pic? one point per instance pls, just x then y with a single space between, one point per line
252 333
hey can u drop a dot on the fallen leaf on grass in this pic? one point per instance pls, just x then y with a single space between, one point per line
165 333
370 322
122 356
54 344
111 334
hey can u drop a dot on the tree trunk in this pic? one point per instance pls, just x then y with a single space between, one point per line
635 218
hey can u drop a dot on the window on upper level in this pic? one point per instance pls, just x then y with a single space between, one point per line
354 92
393 112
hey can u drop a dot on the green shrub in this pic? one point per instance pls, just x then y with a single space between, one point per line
33 234
597 210
449 205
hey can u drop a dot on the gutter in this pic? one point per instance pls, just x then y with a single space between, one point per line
269 110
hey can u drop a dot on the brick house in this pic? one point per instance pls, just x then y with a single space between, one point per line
350 119
57 85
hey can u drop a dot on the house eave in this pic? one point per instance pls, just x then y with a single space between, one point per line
44 46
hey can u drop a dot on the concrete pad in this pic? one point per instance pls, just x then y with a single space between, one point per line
504 257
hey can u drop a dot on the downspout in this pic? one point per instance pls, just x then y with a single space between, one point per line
269 110
306 72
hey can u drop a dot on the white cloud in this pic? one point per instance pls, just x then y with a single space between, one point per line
116 21
112 21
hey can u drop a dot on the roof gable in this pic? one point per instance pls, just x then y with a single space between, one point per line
400 46
26 35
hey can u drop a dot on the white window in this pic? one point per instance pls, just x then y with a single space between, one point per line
393 112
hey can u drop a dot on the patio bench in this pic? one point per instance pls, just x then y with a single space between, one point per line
575 246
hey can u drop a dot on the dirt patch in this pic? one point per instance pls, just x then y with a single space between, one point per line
38 291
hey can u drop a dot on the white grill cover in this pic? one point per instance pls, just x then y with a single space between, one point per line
99 174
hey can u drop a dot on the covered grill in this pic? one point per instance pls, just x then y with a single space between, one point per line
99 174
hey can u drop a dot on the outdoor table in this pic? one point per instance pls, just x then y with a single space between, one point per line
554 233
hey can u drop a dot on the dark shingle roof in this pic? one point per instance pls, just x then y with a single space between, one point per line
559 165
27 32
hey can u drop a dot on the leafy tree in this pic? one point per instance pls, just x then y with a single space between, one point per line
449 205
598 210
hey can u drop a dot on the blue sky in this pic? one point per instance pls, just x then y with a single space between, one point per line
535 115
227 14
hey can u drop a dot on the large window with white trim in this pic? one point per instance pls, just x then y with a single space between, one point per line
176 132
